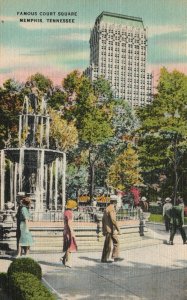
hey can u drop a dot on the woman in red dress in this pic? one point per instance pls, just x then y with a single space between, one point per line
70 244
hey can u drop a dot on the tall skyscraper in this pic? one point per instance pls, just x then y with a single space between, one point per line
118 51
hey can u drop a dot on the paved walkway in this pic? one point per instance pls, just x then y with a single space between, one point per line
156 272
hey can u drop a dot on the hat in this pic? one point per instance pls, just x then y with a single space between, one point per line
144 199
71 204
168 199
113 198
26 200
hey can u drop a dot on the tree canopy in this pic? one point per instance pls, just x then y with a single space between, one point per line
163 130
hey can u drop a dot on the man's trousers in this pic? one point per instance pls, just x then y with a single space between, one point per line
109 240
173 232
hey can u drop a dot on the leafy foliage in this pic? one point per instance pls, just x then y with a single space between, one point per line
26 265
26 286
64 133
40 81
125 172
163 130
3 281
11 100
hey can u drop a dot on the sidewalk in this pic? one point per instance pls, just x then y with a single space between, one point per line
156 272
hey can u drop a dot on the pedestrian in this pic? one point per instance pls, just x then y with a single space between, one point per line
144 204
165 212
180 201
18 231
110 230
94 203
26 239
69 244
176 222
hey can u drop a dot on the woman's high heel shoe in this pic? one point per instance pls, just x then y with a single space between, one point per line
62 259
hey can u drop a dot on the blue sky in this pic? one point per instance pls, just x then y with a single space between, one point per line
56 49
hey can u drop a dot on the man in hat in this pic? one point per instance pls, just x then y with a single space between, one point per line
144 204
110 231
166 210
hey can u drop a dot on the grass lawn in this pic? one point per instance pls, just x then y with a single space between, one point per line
156 218
159 219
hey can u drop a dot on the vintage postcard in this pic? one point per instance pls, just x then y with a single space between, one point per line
93 149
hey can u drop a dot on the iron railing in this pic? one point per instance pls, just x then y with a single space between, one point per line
85 214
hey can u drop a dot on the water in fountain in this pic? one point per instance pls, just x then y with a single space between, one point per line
35 169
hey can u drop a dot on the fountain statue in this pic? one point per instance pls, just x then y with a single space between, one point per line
33 168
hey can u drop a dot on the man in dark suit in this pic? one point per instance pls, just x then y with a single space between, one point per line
110 231
176 221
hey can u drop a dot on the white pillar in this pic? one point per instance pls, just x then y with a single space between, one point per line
47 131
56 181
37 193
50 185
15 183
20 169
20 129
2 202
41 179
46 181
11 181
64 182
41 132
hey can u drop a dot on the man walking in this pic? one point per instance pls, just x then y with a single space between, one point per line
110 231
176 221
166 209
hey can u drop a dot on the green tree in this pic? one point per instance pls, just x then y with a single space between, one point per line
123 122
43 83
95 131
124 173
11 100
57 100
71 82
163 131
63 134
102 90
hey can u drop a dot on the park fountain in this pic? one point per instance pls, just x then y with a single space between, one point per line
33 168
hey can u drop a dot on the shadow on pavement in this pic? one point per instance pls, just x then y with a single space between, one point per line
133 281
4 257
53 264
90 259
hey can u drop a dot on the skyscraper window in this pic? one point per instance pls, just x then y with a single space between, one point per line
120 32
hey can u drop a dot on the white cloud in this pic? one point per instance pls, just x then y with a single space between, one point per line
15 57
9 18
179 48
73 56
20 58
163 29
174 47
73 37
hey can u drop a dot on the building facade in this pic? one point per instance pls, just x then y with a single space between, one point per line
118 51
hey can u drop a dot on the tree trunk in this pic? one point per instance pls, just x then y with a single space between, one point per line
176 173
92 177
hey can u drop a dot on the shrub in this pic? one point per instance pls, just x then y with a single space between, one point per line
25 286
3 281
155 209
26 265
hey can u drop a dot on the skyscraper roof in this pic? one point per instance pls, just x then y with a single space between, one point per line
119 19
